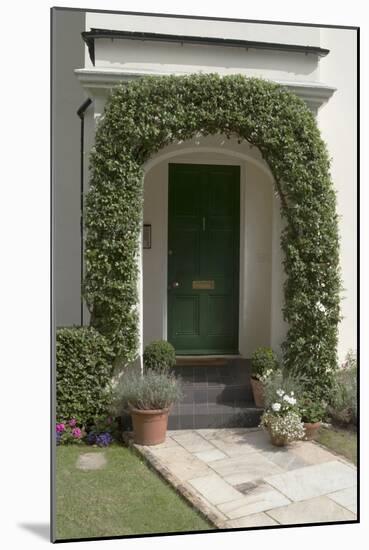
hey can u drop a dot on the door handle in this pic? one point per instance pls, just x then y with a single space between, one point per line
175 284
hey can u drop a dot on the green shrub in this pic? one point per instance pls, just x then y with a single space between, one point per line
151 391
160 356
343 402
263 363
311 410
83 374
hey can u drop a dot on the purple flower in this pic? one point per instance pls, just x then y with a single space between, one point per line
72 422
104 439
77 433
91 438
60 427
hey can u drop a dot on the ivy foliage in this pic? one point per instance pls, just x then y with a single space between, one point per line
147 114
83 374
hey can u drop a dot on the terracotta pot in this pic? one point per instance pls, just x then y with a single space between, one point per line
258 392
278 440
149 427
311 430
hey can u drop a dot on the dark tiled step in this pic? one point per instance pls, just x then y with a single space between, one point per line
190 416
233 373
222 393
196 416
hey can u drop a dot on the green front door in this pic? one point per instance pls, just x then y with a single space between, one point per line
203 258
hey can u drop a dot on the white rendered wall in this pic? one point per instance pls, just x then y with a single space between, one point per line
288 34
68 95
256 223
152 57
337 122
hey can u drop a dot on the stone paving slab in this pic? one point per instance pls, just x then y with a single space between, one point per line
91 461
233 446
316 510
311 453
346 497
180 462
286 459
221 433
215 489
207 506
248 467
169 442
210 456
255 520
313 481
236 478
260 499
193 442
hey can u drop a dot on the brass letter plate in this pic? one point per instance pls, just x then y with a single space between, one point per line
203 285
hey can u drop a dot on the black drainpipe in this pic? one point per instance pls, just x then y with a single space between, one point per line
81 113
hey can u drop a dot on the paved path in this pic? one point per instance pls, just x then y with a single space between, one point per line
238 479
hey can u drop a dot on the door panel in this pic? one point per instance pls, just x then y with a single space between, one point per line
203 258
186 321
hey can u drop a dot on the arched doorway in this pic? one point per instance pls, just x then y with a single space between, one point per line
147 115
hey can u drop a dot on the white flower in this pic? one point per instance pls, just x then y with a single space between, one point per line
320 307
292 393
290 400
280 393
276 407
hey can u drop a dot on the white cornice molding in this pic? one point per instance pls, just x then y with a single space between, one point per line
98 82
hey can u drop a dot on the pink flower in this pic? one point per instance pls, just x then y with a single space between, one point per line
60 427
77 433
72 422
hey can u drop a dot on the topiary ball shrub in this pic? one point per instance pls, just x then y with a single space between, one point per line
159 356
83 374
264 363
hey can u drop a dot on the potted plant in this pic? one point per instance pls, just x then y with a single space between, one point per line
160 356
282 420
264 363
312 413
148 399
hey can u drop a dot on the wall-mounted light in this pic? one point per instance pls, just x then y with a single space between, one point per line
146 235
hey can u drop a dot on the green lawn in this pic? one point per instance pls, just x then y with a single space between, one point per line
342 441
123 498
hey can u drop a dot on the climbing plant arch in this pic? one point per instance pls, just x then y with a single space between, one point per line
147 114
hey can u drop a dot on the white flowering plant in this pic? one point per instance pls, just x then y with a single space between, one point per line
282 419
282 381
288 426
284 402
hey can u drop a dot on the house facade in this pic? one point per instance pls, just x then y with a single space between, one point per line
211 266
